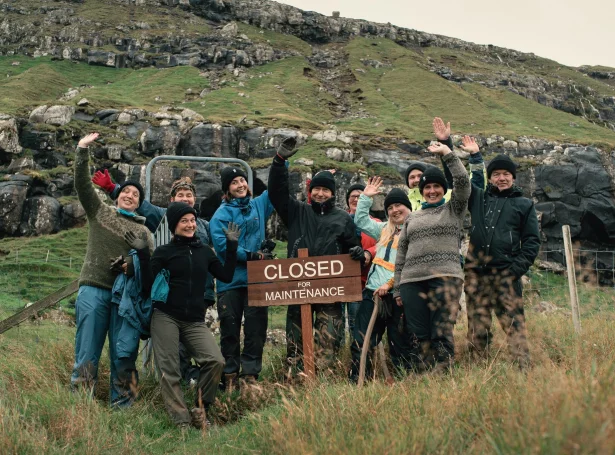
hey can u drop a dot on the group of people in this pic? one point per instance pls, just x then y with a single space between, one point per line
412 263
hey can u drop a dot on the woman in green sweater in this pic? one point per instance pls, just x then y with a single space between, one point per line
428 276
96 314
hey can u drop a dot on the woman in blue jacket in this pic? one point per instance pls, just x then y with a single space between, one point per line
250 215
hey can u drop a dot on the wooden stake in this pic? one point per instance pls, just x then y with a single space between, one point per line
307 334
572 279
367 340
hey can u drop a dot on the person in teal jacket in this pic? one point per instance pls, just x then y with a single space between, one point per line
380 278
251 215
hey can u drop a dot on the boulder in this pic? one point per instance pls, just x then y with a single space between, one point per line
207 139
33 139
12 197
160 140
73 215
38 114
41 215
21 164
345 155
114 152
59 115
9 135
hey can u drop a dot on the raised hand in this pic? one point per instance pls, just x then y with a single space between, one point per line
103 180
137 242
287 148
85 141
373 186
232 233
441 130
468 144
439 149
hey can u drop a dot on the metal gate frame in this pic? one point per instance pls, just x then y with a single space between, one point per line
199 159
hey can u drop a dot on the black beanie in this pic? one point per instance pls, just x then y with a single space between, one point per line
175 211
433 175
414 165
356 186
324 179
502 162
397 196
228 174
137 185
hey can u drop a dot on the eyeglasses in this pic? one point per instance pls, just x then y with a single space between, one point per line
354 197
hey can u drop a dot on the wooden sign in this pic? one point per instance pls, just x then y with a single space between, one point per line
320 279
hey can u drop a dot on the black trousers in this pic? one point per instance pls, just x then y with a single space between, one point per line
431 308
503 294
399 341
232 306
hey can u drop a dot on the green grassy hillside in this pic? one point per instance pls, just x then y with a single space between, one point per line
396 100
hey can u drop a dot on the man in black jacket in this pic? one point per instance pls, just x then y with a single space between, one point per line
324 230
504 242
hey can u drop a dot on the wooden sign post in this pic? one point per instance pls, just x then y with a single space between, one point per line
304 281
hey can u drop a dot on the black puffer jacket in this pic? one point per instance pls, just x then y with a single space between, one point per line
321 228
504 232
189 263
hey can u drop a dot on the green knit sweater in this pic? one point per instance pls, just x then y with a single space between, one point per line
429 241
106 229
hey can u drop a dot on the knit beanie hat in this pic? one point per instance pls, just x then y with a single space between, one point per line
183 183
355 187
433 175
414 165
502 162
324 179
175 211
228 174
137 185
396 196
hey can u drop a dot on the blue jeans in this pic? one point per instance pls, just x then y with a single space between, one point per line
352 308
97 316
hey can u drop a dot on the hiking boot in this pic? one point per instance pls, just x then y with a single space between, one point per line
199 419
230 382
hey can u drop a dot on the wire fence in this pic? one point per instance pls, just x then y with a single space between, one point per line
27 276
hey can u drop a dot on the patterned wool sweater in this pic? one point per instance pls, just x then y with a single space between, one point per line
429 241
106 229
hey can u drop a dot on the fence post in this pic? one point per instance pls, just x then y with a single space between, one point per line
47 258
572 279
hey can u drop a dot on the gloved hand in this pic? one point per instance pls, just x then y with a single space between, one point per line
232 233
356 253
259 256
103 180
136 242
267 246
116 264
287 148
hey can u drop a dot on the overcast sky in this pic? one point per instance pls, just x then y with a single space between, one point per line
572 32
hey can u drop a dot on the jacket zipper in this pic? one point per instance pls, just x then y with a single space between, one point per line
189 280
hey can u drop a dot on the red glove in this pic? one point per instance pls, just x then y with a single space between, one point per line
104 181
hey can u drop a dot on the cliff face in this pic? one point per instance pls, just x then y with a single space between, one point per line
234 78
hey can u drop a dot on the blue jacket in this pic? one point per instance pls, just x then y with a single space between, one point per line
135 310
154 215
251 216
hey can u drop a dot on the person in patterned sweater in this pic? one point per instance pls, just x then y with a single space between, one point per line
428 278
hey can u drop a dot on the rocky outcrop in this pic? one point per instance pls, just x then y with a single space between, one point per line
12 197
9 136
41 215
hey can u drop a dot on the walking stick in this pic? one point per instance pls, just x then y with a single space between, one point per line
367 338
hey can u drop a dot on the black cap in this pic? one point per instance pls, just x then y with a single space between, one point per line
228 174
433 175
175 211
502 162
355 187
324 179
397 196
415 165
137 185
